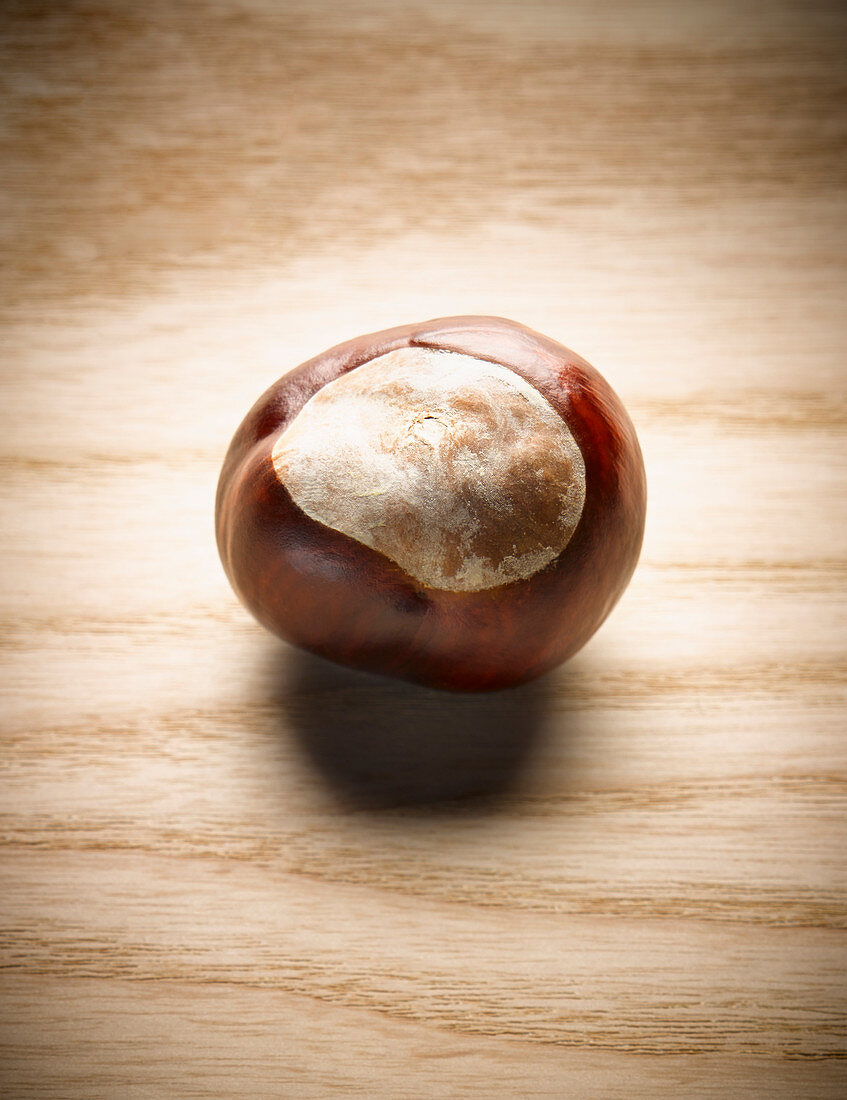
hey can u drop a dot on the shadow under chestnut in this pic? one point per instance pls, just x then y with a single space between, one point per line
384 744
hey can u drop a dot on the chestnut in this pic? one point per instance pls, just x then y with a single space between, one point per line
460 503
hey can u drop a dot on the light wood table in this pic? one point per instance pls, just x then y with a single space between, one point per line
202 892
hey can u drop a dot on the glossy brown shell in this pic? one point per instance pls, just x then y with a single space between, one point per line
329 594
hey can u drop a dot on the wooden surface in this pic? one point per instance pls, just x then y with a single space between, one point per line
229 870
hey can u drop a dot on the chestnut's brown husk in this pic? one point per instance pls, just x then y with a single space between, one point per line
464 540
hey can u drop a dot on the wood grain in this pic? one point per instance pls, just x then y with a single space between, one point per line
232 870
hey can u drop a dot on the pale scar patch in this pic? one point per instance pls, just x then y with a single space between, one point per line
455 468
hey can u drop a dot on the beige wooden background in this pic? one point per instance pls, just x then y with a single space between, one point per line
201 896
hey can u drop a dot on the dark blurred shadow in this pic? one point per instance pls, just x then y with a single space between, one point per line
385 744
